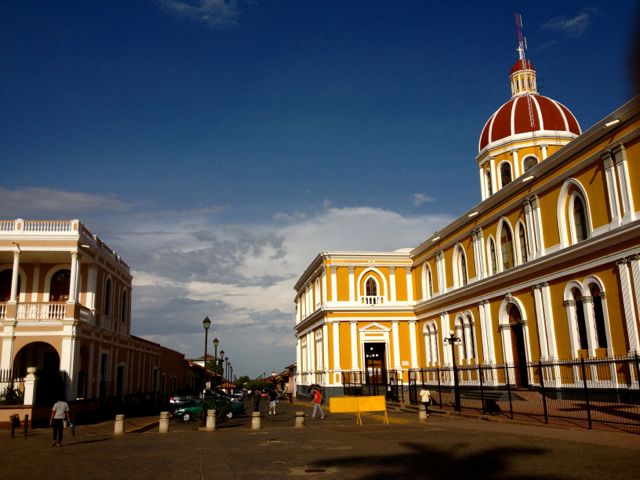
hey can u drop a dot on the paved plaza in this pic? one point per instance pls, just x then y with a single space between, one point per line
334 447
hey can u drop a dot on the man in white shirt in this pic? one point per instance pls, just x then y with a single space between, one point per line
59 413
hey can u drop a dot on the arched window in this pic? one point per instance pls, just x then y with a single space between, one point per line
371 288
487 177
580 320
107 297
59 288
461 277
460 333
493 259
579 217
598 315
471 341
5 285
529 163
429 281
316 292
522 242
124 306
506 247
505 173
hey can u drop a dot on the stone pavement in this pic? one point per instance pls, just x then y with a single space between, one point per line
334 447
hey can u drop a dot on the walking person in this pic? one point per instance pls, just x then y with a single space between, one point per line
273 401
59 413
257 395
288 393
425 399
316 400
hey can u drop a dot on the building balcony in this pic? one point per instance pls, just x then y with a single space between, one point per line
43 311
371 300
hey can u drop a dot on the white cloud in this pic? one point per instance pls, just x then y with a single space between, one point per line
215 13
187 264
420 198
44 202
574 26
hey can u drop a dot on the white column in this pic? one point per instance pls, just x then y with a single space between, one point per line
15 272
392 284
445 327
311 354
516 164
494 183
396 345
34 285
73 282
537 225
542 328
587 308
634 263
544 152
336 345
629 308
628 212
413 344
352 285
354 346
323 283
483 333
531 236
483 188
334 284
549 320
325 354
409 285
612 190
490 338
570 307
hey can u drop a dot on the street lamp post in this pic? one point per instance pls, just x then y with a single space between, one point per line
226 368
206 323
216 342
222 364
453 340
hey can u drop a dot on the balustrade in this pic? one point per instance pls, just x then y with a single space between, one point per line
372 300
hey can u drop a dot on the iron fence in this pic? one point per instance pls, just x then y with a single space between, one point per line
374 381
589 392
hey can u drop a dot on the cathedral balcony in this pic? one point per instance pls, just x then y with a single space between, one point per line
371 300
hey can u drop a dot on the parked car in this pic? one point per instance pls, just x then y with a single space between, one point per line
192 408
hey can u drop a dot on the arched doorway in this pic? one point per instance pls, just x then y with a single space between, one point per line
50 383
516 327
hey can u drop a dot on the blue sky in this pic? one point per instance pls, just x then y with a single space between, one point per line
219 145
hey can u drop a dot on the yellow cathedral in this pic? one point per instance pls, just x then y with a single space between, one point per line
545 269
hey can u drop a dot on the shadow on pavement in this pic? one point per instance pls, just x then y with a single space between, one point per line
424 462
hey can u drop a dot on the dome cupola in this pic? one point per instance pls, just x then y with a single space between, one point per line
524 131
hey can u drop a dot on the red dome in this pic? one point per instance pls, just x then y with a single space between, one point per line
512 118
518 66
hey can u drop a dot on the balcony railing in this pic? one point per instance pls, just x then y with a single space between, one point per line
41 311
371 300
3 311
39 226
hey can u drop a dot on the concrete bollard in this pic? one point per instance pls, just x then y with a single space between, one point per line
255 420
211 421
163 426
118 426
299 419
422 414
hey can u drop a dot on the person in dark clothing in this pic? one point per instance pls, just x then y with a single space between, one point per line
257 395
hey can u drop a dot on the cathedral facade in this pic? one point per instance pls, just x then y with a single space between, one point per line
546 267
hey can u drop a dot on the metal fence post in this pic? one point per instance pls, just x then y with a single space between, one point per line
481 388
586 391
506 369
542 392
439 387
